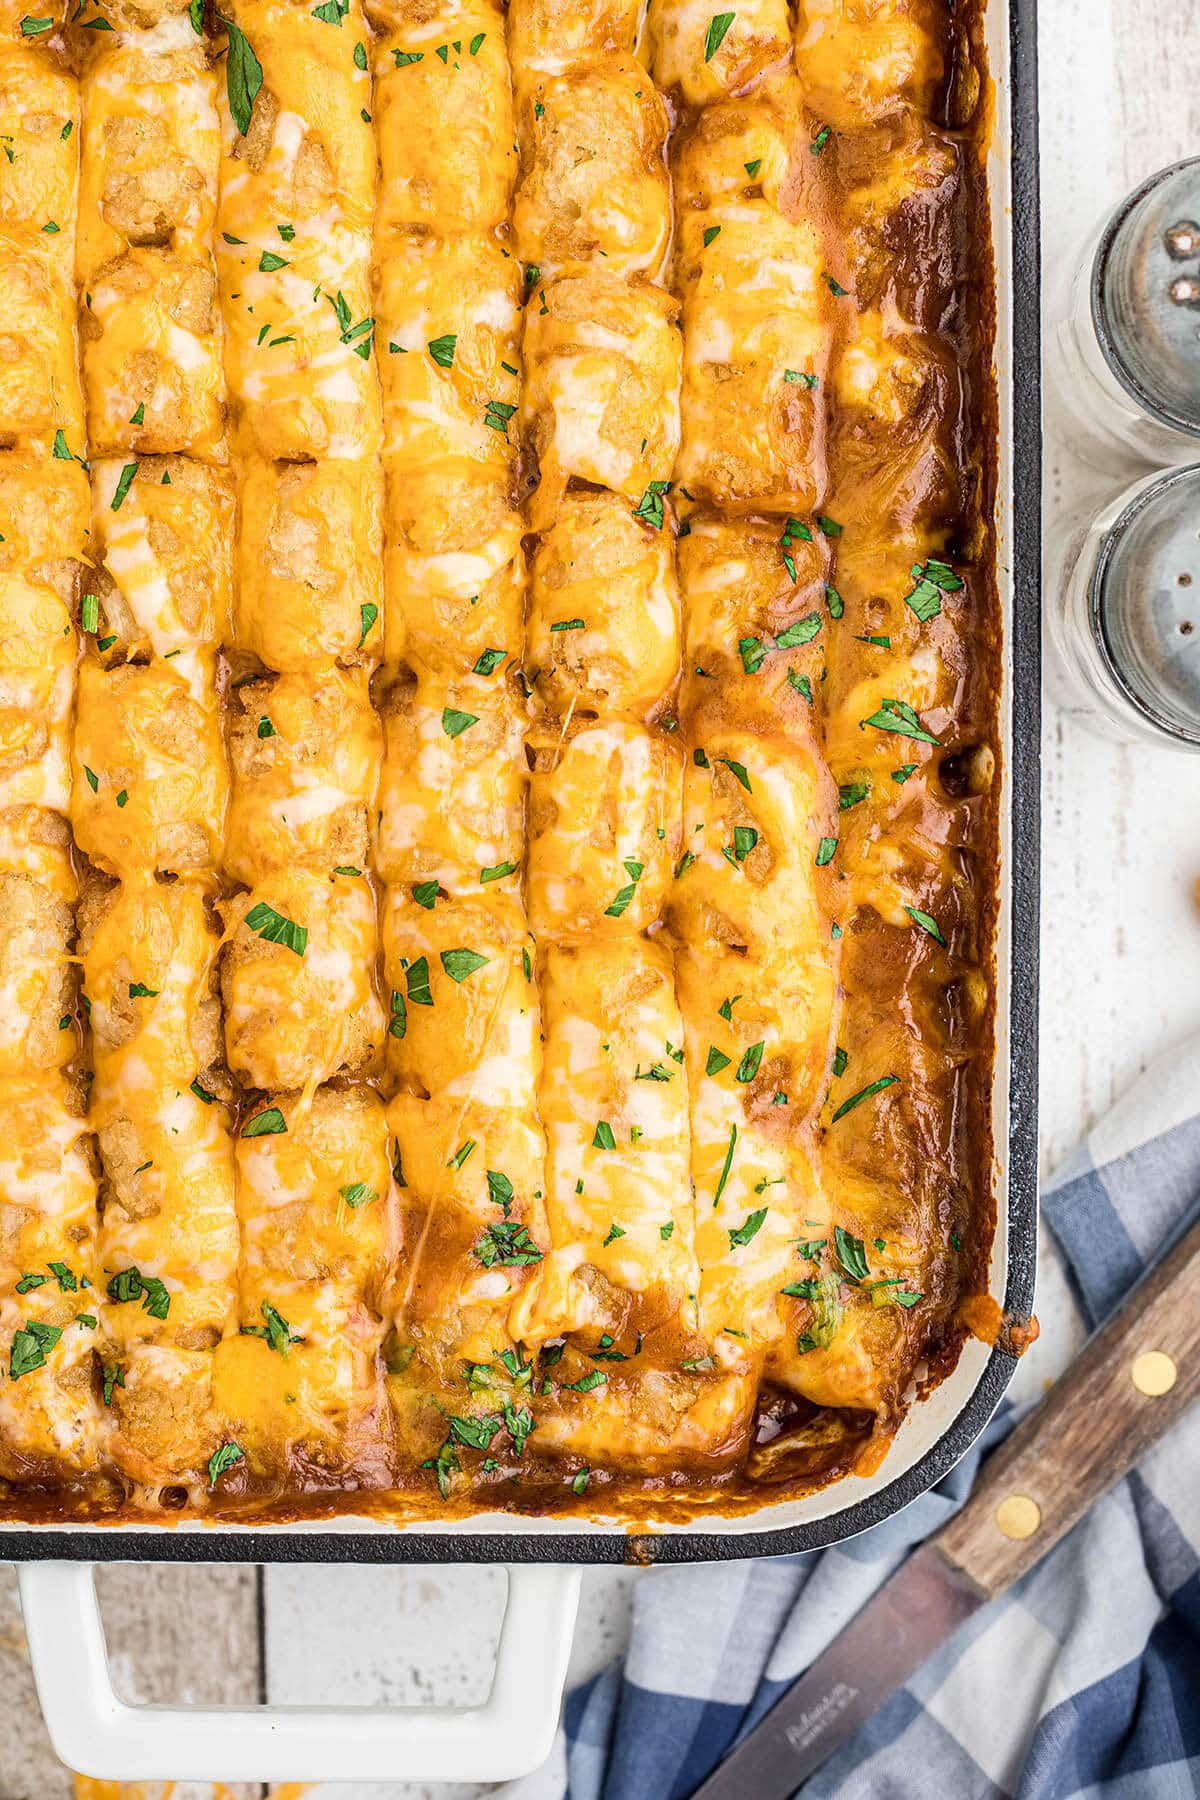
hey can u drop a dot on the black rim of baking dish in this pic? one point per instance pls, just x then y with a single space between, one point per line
519 1545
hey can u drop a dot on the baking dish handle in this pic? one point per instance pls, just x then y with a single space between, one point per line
97 1733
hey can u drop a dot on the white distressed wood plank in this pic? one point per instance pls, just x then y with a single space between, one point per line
1121 933
404 1636
388 1636
182 1632
29 1769
174 1634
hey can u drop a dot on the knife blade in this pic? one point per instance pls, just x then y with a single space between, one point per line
913 1613
1133 1379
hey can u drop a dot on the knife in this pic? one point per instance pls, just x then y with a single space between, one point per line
1132 1381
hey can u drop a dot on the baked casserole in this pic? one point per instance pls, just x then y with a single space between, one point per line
497 716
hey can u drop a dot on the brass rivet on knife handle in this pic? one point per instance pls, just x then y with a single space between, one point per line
1153 1373
1018 1516
1131 1382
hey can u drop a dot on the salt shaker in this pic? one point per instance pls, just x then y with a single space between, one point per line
1124 612
1123 348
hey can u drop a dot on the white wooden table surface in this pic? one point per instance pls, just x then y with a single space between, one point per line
1121 982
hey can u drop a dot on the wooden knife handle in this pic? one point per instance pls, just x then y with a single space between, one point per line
1135 1377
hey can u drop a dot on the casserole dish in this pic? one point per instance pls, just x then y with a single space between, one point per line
93 1730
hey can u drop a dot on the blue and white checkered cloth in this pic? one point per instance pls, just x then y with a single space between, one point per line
1083 1681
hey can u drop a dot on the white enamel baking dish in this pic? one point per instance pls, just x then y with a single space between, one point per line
96 1733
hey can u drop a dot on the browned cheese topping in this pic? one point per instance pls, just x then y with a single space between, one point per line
498 683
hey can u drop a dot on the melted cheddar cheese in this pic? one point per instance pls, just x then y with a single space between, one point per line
604 828
152 356
687 58
449 310
307 585
615 1107
43 520
148 778
452 789
431 65
601 397
151 144
40 405
756 317
753 809
167 1214
859 59
49 1427
464 1019
453 567
301 1377
164 554
299 1002
497 707
297 195
39 117
604 621
551 37
36 977
593 180
38 649
149 952
304 756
